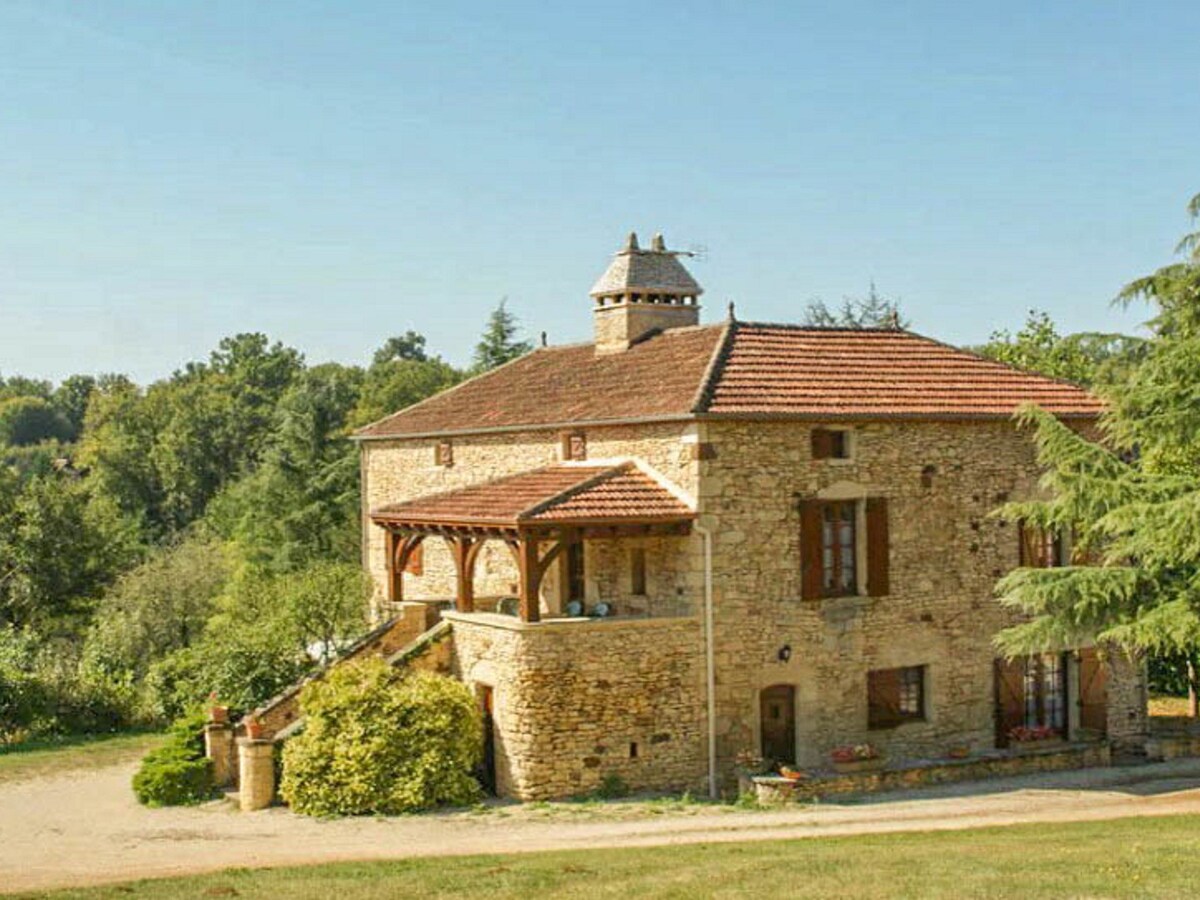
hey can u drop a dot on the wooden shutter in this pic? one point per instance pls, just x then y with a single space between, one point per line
822 443
1010 697
877 547
810 549
883 698
416 561
1093 692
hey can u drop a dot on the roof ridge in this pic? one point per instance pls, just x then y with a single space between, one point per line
566 493
715 367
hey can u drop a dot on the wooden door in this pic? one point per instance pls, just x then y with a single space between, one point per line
487 774
778 715
1010 697
1093 692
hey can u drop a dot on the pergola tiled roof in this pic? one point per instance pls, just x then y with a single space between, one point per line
740 370
563 495
555 505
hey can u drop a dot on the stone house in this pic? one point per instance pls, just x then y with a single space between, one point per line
679 542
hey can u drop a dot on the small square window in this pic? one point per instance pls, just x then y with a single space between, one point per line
574 446
895 696
444 454
829 443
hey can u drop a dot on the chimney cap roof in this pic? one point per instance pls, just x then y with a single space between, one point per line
654 271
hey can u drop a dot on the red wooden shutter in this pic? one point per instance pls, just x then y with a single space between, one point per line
1010 697
810 549
877 546
416 561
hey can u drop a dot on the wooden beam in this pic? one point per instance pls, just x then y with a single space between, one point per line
531 579
465 551
400 550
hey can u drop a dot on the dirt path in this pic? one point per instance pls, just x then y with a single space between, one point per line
87 829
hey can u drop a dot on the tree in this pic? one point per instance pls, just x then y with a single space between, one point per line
71 399
31 420
1132 503
409 345
1086 358
391 386
498 344
871 311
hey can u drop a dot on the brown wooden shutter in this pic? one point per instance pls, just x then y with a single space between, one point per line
810 549
883 698
416 561
1093 692
877 546
822 443
1010 697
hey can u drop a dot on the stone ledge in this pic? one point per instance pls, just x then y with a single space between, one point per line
511 623
774 789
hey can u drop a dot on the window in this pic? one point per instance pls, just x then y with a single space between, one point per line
895 696
637 573
444 454
838 565
576 582
831 545
828 443
1031 692
574 445
1041 548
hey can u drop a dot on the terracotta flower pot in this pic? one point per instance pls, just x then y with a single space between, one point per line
218 715
254 729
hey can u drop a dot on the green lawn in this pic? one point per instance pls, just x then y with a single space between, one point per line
1157 857
35 758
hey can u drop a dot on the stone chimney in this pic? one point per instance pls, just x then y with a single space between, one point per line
643 291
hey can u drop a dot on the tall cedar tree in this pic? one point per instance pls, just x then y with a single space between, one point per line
499 344
1132 502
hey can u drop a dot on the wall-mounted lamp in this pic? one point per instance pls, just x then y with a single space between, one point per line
785 653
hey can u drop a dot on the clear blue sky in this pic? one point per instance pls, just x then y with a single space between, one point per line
332 173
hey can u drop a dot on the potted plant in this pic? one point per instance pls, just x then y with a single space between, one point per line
217 714
254 728
854 758
792 774
1036 737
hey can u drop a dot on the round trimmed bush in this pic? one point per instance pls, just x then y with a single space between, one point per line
379 740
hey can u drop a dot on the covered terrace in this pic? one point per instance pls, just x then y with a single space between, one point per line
537 515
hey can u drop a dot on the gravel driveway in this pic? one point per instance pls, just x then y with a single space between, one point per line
86 828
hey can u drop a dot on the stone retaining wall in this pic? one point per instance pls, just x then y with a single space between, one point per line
998 764
576 702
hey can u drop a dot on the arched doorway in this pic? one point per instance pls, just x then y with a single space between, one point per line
777 713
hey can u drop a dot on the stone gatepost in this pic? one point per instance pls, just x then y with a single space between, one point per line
219 747
256 784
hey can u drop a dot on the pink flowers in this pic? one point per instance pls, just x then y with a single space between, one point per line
854 753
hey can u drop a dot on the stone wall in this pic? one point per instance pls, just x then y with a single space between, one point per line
395 471
941 481
575 702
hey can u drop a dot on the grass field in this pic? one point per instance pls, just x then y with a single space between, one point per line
36 758
1151 857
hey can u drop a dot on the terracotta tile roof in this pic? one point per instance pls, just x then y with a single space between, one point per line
657 378
787 370
556 494
741 369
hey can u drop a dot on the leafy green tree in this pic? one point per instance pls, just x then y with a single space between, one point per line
872 311
20 386
409 345
71 399
1086 358
391 386
499 343
31 420
1131 503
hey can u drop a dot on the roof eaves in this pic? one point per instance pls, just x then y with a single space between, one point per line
526 426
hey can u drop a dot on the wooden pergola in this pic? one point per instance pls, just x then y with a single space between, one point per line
537 515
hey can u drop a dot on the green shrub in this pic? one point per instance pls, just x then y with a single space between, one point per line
612 787
177 773
377 740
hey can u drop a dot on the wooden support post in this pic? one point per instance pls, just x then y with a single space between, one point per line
466 551
395 583
531 579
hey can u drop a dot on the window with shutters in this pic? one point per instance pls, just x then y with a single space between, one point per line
1041 548
895 696
830 443
839 566
1031 692
835 551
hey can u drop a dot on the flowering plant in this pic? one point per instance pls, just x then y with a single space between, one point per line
1023 733
854 753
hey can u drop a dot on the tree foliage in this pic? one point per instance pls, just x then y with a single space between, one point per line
499 343
872 311
1086 358
31 420
1131 502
